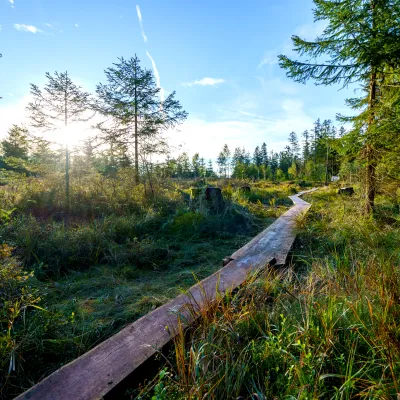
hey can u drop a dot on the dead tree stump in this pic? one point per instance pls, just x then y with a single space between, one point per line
211 198
214 199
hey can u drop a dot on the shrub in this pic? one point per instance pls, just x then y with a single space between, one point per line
17 295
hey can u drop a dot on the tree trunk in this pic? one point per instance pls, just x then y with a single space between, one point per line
370 176
66 146
370 180
136 140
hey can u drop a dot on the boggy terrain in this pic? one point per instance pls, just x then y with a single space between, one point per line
326 326
72 278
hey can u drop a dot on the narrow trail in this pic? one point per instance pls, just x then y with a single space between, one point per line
98 371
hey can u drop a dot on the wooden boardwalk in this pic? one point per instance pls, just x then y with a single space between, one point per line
97 372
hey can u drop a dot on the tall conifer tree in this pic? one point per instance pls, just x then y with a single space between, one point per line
59 104
362 41
132 98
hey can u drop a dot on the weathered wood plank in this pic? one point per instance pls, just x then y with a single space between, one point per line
96 372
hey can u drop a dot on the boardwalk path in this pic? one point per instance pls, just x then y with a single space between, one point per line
96 372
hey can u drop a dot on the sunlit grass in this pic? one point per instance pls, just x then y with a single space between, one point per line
119 252
328 327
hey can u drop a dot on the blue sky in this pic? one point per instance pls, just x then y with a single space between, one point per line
219 56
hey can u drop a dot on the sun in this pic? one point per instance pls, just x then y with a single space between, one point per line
72 135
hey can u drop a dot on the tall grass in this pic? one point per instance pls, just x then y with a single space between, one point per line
119 252
327 326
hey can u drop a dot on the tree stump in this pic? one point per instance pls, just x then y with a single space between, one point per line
348 191
214 199
211 198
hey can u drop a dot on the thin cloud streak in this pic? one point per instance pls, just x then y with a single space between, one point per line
139 14
157 76
205 82
270 58
27 28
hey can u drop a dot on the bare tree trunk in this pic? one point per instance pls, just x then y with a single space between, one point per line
370 180
66 146
370 176
136 139
136 144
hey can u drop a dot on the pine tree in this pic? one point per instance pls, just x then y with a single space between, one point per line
315 142
16 143
246 157
265 160
236 158
227 155
257 160
131 98
294 146
196 165
221 162
362 40
202 167
264 155
183 167
210 169
274 163
59 104
306 147
42 155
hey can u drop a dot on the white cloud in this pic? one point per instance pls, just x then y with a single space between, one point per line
12 3
157 76
278 86
242 129
76 25
50 26
27 28
270 58
205 82
139 14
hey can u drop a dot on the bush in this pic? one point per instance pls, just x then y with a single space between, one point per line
17 295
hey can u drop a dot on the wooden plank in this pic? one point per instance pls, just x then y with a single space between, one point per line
96 372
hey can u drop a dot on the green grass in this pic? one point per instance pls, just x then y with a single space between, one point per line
328 326
106 264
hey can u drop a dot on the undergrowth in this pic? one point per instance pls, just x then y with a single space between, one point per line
327 326
118 253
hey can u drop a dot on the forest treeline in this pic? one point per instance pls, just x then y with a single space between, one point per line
314 156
